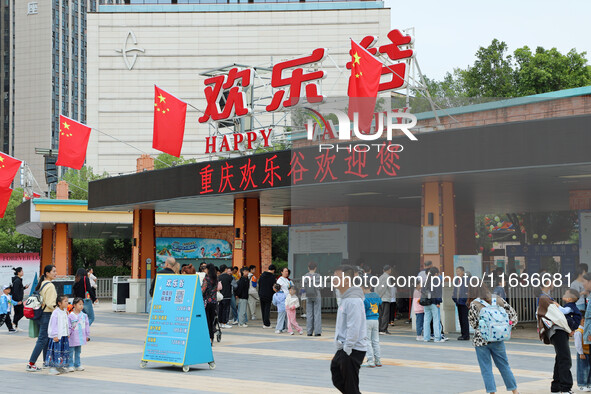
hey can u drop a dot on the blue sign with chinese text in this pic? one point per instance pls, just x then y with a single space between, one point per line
177 329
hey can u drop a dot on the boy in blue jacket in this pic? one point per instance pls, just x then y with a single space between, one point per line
279 302
6 303
372 302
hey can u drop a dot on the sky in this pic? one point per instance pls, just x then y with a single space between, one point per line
448 33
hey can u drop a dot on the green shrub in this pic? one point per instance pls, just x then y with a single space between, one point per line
110 271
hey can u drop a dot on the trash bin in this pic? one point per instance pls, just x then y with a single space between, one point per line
120 292
65 285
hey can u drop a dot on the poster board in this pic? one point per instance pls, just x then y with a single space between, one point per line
192 249
30 262
177 328
430 239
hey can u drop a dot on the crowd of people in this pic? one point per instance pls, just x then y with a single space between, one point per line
230 295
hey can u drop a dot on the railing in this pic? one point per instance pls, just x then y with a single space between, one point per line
104 288
524 301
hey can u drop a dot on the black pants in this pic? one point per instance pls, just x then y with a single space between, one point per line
224 310
464 324
18 314
392 311
562 379
345 371
384 310
210 314
266 311
7 321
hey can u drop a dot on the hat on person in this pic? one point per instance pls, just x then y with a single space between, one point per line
4 287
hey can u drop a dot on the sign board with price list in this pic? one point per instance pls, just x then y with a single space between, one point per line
177 329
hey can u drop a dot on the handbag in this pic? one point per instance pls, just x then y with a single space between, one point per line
86 293
425 299
219 296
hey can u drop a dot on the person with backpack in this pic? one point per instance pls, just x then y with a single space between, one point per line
83 289
6 303
48 295
313 300
492 319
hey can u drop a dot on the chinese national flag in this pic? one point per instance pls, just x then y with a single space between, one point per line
169 123
363 85
5 193
8 168
73 143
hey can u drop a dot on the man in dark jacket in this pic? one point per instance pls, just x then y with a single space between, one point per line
266 283
242 296
460 297
170 261
226 280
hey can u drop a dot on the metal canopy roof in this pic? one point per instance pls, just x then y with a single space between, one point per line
514 167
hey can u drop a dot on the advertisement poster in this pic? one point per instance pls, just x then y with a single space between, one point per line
192 248
177 329
431 239
30 263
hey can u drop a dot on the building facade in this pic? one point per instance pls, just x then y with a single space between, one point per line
132 47
48 74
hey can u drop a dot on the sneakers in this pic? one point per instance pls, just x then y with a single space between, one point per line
584 388
233 322
291 333
70 369
278 331
317 335
301 332
80 368
32 368
461 338
309 335
243 325
53 371
226 326
266 326
378 363
441 340
304 316
368 365
11 331
419 338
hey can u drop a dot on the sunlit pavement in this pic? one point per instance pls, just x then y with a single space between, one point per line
253 360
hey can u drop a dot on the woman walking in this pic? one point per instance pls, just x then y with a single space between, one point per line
47 290
83 289
487 350
18 294
210 289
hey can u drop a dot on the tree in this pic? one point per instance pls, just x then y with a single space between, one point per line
549 70
10 240
496 73
164 160
78 181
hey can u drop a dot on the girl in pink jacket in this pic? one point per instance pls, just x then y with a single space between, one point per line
79 334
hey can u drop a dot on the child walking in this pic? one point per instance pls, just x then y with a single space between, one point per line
279 302
58 350
292 303
583 361
79 334
6 304
419 311
372 303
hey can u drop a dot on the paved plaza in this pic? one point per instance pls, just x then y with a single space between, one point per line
253 360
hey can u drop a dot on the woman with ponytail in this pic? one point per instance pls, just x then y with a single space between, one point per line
18 294
49 295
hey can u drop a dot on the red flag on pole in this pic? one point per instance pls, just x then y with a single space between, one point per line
363 85
73 143
5 193
8 169
169 122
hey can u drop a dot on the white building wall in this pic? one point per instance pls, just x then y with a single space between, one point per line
179 46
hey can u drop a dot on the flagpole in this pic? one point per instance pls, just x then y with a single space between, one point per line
128 144
192 106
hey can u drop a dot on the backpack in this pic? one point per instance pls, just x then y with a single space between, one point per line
494 324
308 286
426 297
33 308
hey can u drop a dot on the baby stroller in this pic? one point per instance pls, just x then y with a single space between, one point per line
217 328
